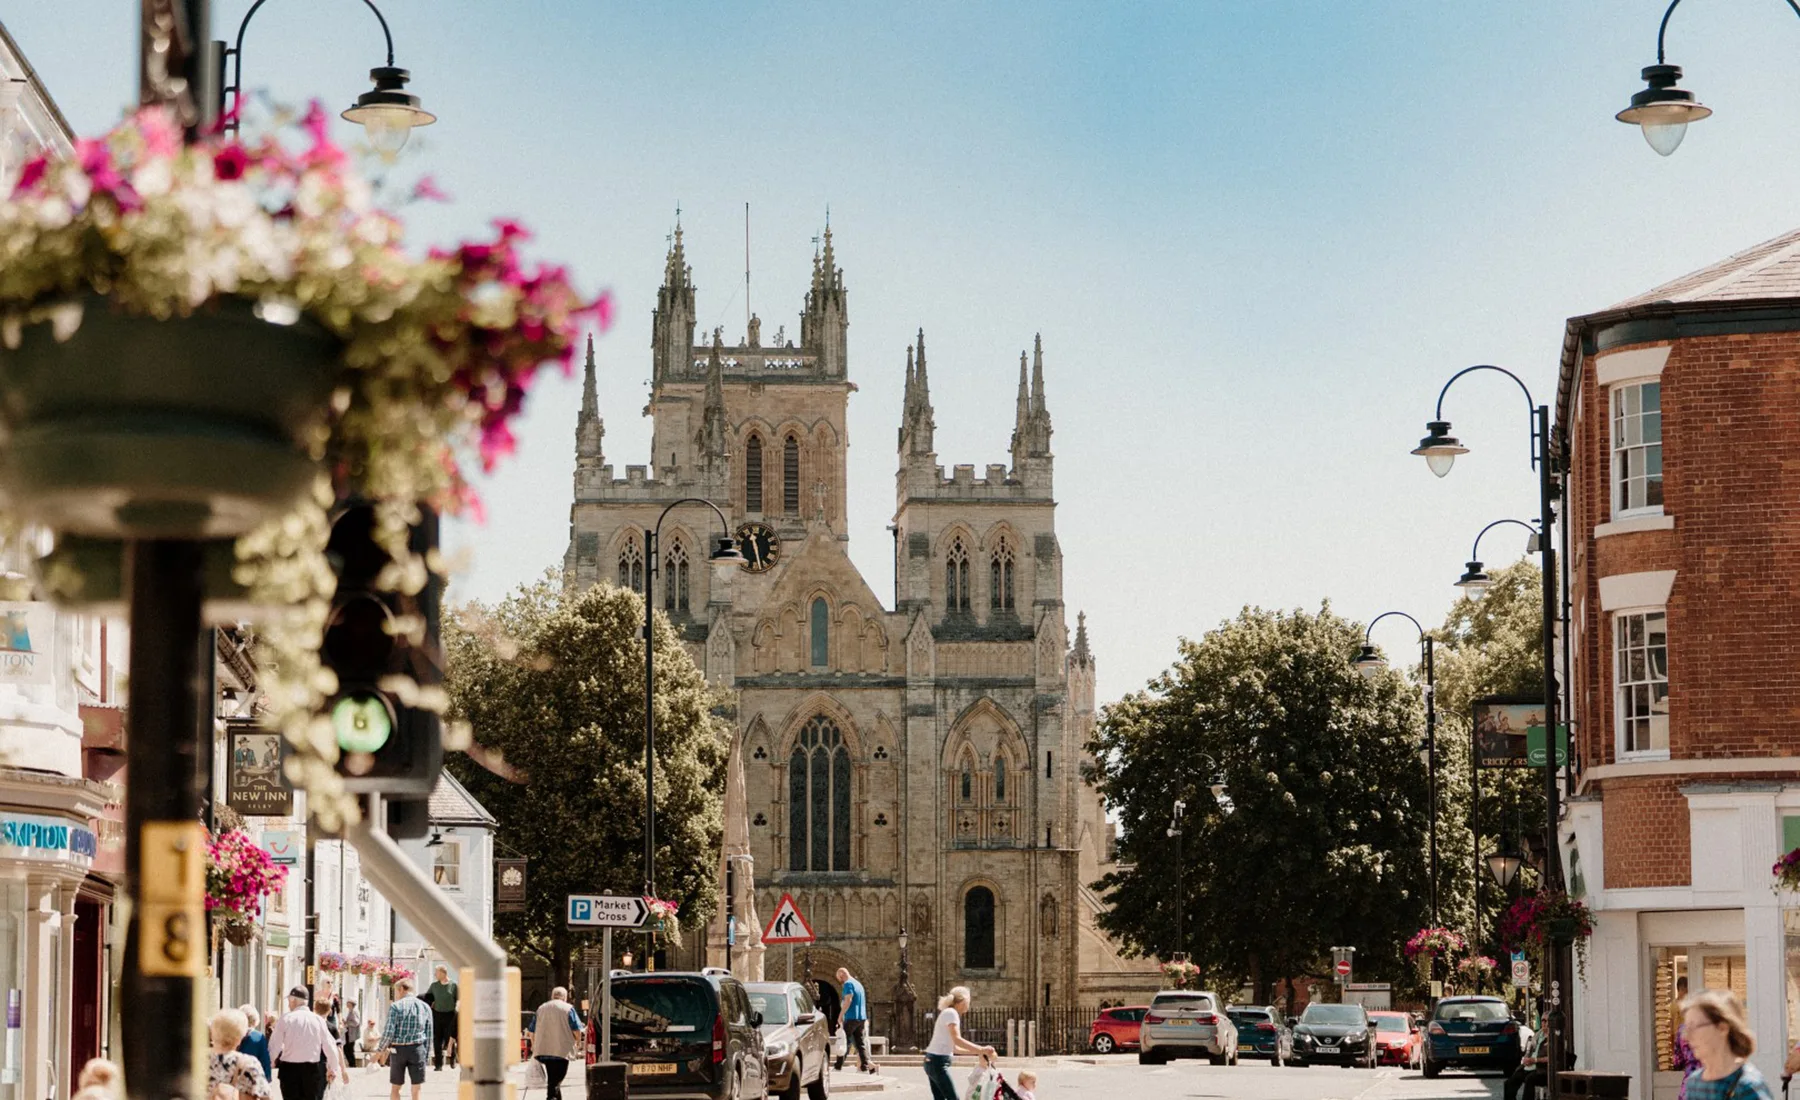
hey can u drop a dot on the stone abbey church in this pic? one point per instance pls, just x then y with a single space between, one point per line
914 765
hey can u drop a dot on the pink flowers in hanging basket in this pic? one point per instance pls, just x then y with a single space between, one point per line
334 962
1787 871
1436 943
239 875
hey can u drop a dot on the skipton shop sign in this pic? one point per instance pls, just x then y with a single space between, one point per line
47 840
27 638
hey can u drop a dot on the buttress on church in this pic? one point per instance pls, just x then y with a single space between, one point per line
915 767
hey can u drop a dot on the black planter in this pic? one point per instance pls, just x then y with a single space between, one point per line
192 427
1561 930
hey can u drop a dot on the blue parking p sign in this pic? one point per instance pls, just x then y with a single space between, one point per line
580 910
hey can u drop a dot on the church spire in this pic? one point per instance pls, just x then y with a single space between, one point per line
1037 377
1036 421
1082 654
589 429
672 325
676 272
826 317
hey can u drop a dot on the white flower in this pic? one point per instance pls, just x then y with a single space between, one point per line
65 320
311 197
153 178
77 187
233 204
52 213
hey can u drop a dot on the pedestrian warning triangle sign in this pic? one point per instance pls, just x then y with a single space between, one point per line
787 925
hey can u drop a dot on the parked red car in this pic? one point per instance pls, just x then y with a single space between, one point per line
1116 1029
1398 1041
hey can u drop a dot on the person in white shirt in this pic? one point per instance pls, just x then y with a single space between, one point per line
302 1050
947 1041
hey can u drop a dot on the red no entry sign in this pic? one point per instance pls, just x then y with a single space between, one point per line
1343 966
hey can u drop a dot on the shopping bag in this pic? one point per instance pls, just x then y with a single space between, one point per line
983 1083
536 1076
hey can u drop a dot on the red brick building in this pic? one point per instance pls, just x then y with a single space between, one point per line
1681 408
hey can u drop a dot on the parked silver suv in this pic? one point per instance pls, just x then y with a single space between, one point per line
1184 1023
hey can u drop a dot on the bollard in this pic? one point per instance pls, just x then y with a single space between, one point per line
1031 1039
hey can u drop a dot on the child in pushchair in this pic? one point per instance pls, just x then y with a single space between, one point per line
1025 1090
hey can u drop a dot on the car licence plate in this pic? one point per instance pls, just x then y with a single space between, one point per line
650 1069
1181 1023
1472 1050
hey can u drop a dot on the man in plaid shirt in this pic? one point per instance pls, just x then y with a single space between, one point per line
407 1036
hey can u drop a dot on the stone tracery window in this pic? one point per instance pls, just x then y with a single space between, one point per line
1000 778
956 577
978 928
1000 578
819 799
821 633
675 578
631 566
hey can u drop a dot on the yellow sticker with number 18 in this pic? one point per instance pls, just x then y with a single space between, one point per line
172 939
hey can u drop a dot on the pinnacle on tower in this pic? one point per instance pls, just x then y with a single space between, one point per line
715 429
1081 653
1037 420
1021 415
1037 376
916 424
675 269
589 430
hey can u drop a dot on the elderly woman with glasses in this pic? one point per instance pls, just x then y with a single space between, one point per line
1713 1024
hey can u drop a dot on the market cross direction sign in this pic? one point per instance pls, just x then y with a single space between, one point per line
606 911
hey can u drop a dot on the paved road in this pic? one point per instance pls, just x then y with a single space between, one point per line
1122 1078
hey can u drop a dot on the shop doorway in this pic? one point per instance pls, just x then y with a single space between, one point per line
86 999
1677 972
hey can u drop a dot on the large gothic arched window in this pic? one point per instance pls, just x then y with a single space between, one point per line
790 477
978 928
753 475
1000 578
956 577
631 567
819 799
675 578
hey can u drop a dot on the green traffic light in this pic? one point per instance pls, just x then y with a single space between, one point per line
362 723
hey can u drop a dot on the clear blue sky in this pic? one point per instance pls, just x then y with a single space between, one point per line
1256 237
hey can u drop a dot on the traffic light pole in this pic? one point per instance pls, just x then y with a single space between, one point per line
407 889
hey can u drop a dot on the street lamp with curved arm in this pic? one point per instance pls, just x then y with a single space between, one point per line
1215 784
1370 663
388 112
1475 580
1662 110
725 552
1439 450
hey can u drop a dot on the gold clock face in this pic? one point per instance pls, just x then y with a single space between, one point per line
760 545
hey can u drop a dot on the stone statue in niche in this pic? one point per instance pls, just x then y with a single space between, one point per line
754 337
1047 916
921 916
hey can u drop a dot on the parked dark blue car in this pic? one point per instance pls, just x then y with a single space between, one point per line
1261 1034
1471 1033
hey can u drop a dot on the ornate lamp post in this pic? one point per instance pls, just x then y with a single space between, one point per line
725 552
387 111
1439 449
1475 579
905 1002
1370 663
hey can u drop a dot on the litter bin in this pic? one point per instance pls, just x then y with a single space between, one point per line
1592 1083
606 1081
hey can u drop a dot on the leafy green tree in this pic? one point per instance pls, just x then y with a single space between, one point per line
552 684
1491 645
1319 837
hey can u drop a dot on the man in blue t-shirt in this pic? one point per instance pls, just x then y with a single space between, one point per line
856 1020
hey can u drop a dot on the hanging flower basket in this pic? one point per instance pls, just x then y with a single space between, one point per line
388 975
187 427
662 920
239 875
1180 973
1477 970
333 962
221 339
236 930
366 965
1430 944
1787 871
1548 919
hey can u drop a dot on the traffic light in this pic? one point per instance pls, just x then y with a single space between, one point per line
376 641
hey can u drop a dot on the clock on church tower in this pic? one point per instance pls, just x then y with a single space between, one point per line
760 545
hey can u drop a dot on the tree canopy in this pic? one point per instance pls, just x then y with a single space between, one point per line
1318 839
553 685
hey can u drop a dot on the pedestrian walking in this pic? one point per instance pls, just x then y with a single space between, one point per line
442 995
947 1041
553 1031
232 1074
407 1034
352 1030
856 1021
99 1080
256 1042
1714 1024
302 1050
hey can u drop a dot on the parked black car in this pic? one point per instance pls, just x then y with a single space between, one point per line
1334 1033
686 1036
1262 1034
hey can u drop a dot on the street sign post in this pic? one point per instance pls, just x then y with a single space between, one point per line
1521 971
787 925
606 911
